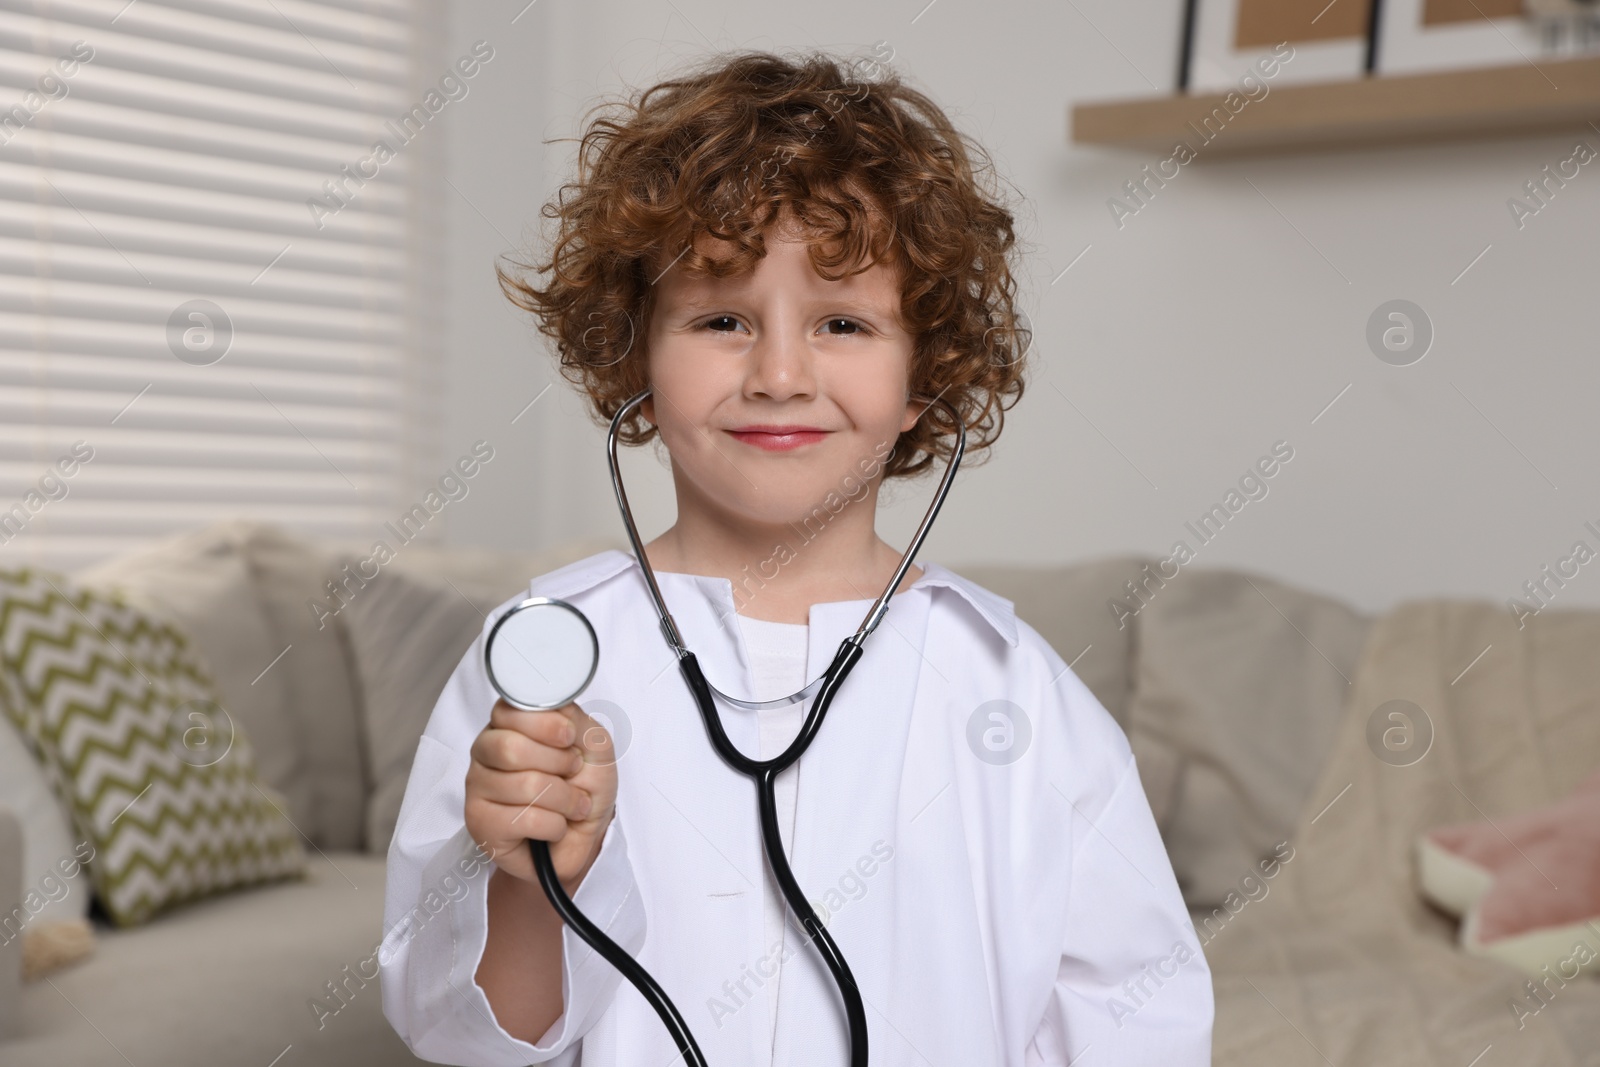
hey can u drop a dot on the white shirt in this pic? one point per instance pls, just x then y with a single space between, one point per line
974 834
778 666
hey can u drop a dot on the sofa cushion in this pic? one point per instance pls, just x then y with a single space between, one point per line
1238 682
160 779
201 580
291 575
408 628
11 890
407 634
287 970
1067 605
46 894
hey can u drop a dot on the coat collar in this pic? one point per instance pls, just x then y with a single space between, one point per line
586 573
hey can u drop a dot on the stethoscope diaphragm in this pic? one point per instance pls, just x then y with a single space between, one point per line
541 654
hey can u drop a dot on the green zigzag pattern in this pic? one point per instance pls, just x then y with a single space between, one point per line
96 685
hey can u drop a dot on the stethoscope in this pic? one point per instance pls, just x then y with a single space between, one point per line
562 641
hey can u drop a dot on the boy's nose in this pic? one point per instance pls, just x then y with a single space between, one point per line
780 366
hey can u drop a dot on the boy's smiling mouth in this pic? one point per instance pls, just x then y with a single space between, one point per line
778 438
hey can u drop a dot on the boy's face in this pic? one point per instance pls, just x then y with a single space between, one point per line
779 347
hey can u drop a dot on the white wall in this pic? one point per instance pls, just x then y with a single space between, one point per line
1222 318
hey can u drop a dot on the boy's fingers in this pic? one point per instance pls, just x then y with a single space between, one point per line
522 789
575 808
508 750
547 727
540 823
593 738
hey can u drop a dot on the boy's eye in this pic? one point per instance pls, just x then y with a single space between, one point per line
713 324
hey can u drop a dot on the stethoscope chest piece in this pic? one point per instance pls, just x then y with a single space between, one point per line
541 654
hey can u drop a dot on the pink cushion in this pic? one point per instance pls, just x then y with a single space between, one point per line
1545 863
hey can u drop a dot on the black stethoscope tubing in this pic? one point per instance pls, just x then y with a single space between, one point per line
763 772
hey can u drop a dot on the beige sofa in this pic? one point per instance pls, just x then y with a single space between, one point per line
1229 685
287 969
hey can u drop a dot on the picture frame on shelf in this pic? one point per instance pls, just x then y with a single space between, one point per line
1567 26
1224 39
1416 36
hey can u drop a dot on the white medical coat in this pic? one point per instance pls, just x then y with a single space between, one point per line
971 827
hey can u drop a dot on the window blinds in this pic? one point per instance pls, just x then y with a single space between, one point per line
214 301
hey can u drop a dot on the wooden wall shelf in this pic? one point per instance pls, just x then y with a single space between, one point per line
1385 109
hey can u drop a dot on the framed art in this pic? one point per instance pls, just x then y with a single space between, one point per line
1225 38
1423 35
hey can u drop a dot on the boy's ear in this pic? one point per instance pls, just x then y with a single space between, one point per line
914 409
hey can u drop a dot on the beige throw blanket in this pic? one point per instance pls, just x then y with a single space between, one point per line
1341 962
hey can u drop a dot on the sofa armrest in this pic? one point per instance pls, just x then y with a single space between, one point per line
11 913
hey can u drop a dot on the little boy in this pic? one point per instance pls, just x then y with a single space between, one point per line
800 265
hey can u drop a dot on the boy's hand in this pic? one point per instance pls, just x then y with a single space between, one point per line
549 775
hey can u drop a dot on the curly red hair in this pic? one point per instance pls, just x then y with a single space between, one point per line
874 172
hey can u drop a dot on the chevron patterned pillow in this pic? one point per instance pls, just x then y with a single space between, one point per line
127 722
